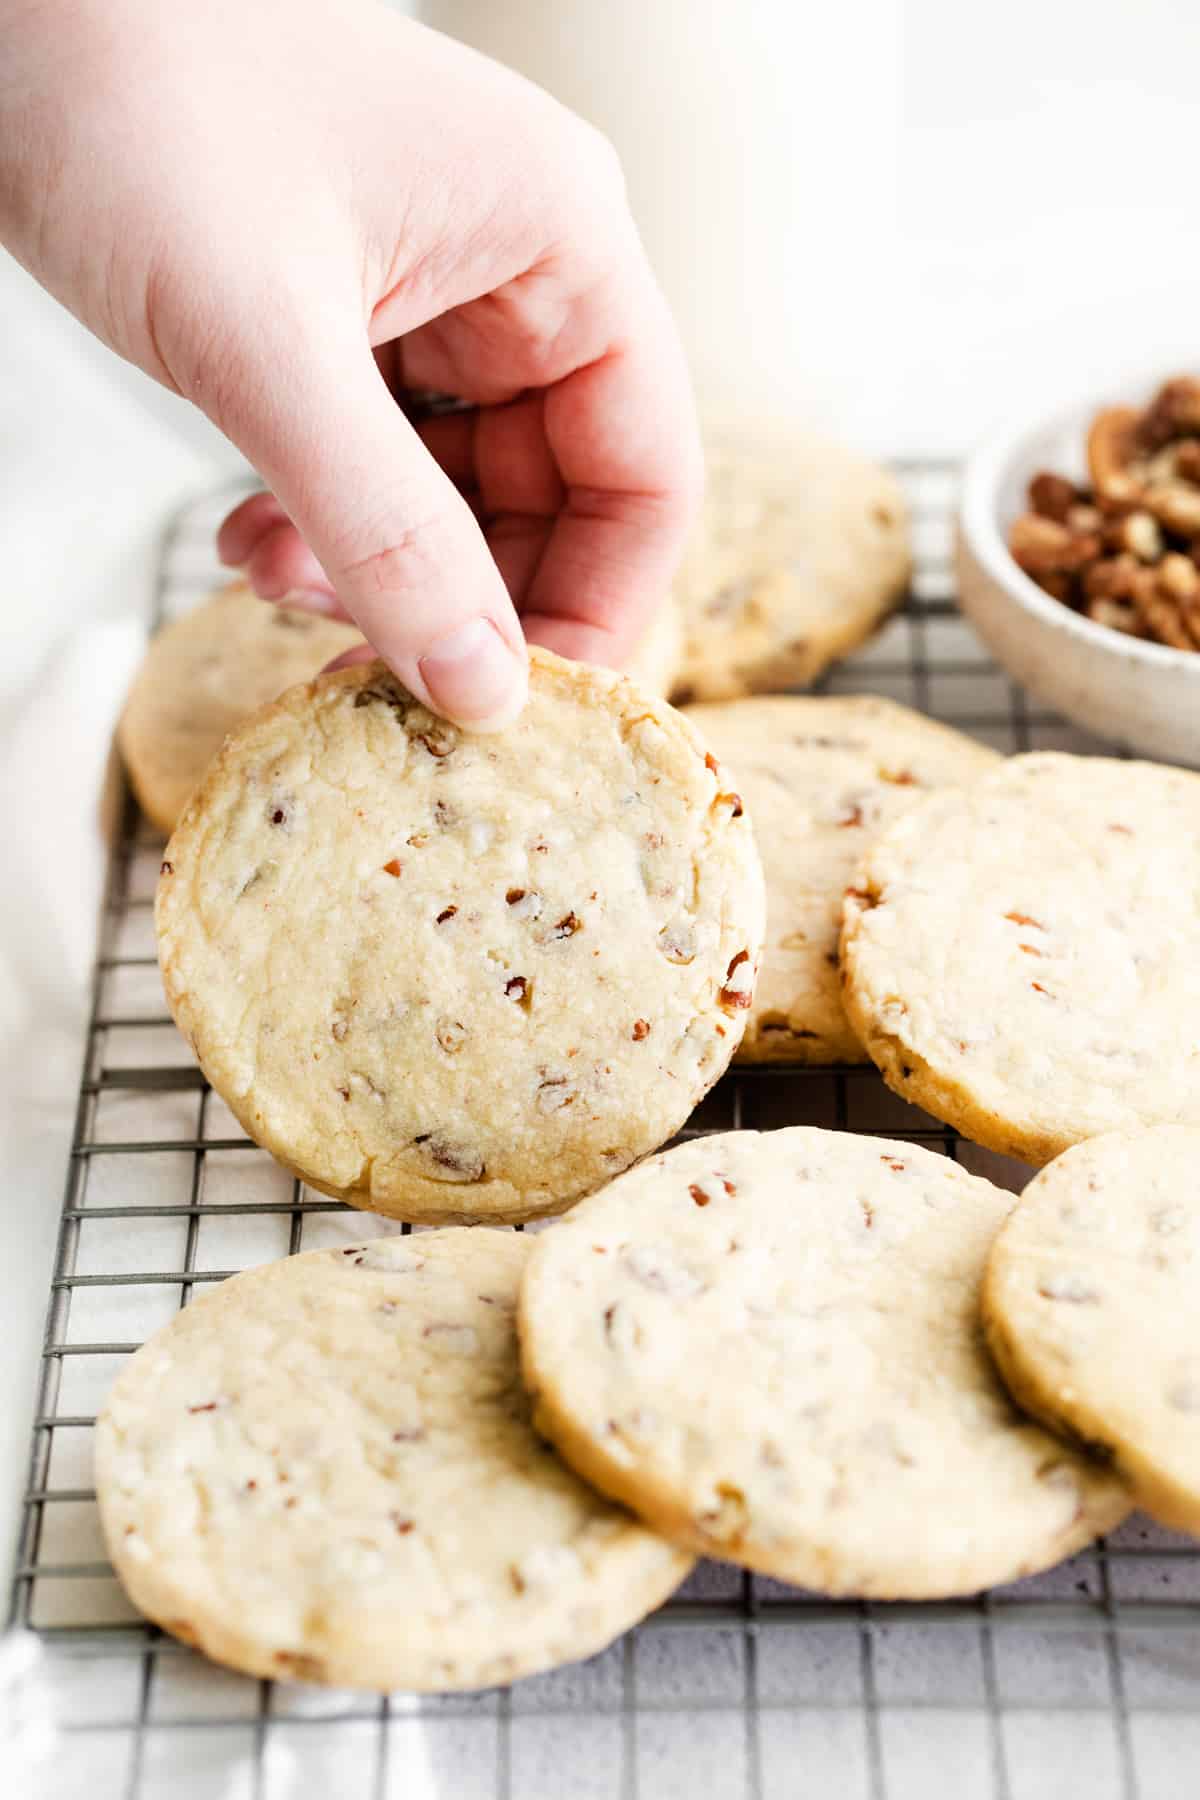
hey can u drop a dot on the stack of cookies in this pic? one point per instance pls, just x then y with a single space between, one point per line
472 981
448 978
763 1347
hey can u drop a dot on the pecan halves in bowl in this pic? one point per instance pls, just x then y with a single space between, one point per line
1174 412
1150 461
1043 546
1125 552
1110 449
1178 584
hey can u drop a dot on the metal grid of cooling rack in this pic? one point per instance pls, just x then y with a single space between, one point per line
1084 1679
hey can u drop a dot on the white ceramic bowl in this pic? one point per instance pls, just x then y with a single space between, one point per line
1142 696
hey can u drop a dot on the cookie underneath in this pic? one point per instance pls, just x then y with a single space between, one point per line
821 778
1091 1300
325 1470
796 558
202 675
769 1346
451 976
1022 956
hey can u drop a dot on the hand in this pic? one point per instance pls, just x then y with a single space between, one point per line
291 210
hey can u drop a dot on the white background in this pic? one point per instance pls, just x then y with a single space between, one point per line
897 220
899 217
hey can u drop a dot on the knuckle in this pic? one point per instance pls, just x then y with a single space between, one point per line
602 159
586 164
410 557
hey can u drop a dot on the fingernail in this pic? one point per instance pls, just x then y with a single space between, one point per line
474 678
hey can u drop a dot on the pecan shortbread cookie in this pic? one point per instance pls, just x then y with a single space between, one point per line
1022 957
796 559
326 1469
202 675
821 778
1090 1302
452 976
769 1346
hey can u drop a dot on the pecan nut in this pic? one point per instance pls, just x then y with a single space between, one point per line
1126 552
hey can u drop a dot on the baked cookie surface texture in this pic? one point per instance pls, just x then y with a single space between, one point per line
325 1469
796 559
1022 956
820 778
769 1346
1091 1304
452 976
202 675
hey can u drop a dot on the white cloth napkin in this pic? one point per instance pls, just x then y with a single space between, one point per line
92 460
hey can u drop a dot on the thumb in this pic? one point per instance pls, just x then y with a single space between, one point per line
397 540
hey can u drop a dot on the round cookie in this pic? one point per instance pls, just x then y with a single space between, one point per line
326 1469
1022 957
654 664
202 675
1090 1304
769 1346
452 976
796 559
820 777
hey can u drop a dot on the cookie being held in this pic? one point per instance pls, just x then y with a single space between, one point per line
453 976
325 1469
202 675
796 559
768 1345
1021 957
1091 1301
820 778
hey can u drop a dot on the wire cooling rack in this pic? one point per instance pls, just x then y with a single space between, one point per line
1085 1680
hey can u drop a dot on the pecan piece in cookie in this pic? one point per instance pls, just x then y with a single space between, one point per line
447 1160
738 991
